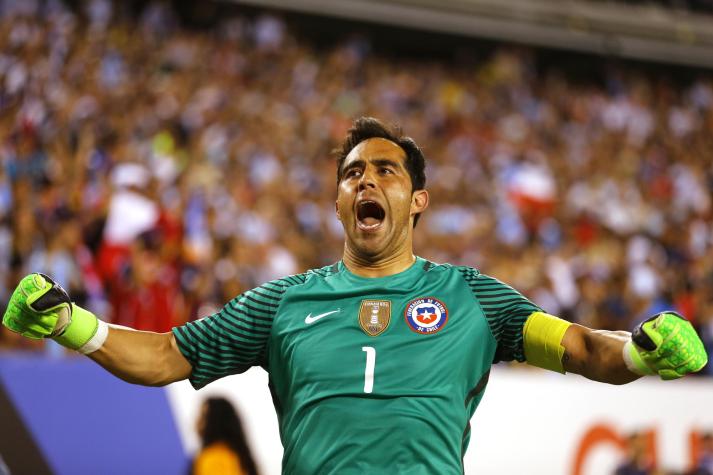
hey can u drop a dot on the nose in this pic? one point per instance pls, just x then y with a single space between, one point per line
366 180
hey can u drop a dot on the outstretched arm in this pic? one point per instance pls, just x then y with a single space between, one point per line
665 345
146 358
40 308
597 354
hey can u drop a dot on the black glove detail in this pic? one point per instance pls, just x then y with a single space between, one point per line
55 296
643 340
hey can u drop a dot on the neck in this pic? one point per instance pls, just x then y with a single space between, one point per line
376 266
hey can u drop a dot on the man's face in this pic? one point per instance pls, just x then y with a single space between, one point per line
374 200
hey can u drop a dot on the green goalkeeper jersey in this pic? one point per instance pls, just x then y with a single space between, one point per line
368 375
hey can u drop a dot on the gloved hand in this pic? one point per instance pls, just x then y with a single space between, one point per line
41 308
665 344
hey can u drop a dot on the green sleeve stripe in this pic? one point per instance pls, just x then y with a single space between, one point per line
234 348
499 304
504 302
497 326
256 310
194 340
201 346
293 280
202 381
233 328
505 310
215 340
495 294
257 305
199 382
183 345
215 359
222 366
262 302
219 363
512 331
275 297
268 292
233 311
220 360
272 287
230 353
235 338
210 377
510 306
277 287
240 315
230 367
492 284
516 320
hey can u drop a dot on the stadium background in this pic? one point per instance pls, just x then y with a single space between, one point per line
159 158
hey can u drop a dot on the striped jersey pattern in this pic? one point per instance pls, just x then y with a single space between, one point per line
505 309
235 338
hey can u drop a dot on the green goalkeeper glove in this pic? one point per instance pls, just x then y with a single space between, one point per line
41 308
665 344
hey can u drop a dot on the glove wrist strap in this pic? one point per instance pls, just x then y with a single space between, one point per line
633 360
85 332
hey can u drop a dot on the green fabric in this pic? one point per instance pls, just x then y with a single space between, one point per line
21 318
425 386
679 349
80 330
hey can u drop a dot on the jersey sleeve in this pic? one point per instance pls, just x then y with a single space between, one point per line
506 311
233 339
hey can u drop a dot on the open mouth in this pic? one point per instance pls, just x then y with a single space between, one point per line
369 215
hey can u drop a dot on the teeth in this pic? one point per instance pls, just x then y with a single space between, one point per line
368 227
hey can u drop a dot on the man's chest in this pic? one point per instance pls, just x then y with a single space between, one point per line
378 340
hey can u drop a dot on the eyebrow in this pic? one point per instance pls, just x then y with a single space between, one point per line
379 162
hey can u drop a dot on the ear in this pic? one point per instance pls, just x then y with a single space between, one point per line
419 201
336 209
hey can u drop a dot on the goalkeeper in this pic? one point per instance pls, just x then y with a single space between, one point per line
341 343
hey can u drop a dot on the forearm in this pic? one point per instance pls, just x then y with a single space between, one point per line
146 358
597 354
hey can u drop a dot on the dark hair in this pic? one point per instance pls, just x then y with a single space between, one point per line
222 424
367 128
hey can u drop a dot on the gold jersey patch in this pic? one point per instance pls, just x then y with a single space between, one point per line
374 316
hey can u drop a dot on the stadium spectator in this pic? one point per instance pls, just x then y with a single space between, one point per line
704 462
224 448
600 192
638 459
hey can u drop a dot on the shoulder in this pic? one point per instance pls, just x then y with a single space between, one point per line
466 272
475 278
276 289
480 284
296 280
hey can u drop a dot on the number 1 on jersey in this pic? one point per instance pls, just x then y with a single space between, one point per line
369 370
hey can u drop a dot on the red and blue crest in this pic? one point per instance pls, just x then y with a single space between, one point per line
426 315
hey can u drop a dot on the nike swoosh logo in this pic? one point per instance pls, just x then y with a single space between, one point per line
309 320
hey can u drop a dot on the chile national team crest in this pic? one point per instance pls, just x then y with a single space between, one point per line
426 315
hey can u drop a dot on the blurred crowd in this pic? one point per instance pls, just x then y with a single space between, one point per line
156 171
692 6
